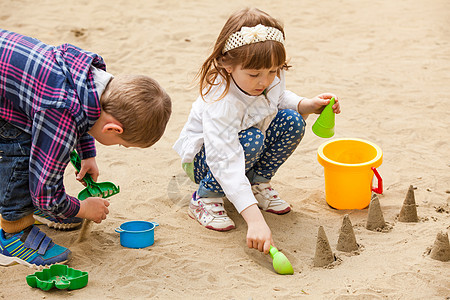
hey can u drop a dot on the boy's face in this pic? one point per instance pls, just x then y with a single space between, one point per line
253 81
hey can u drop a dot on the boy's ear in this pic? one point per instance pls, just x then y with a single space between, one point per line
112 128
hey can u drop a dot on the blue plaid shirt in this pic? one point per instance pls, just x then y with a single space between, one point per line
49 92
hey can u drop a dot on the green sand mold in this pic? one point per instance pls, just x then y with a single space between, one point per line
324 125
59 276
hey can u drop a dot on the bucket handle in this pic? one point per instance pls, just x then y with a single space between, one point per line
120 230
379 189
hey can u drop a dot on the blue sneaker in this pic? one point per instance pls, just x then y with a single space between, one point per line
67 224
31 247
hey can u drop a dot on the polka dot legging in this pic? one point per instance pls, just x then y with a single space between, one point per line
263 156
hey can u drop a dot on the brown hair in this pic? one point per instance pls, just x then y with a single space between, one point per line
262 55
141 105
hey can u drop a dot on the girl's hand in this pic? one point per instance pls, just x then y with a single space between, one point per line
259 235
325 100
88 165
317 104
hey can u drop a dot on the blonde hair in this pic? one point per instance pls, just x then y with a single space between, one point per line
141 105
261 55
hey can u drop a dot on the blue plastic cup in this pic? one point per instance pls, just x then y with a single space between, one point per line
137 234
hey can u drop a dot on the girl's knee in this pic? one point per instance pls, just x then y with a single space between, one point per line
294 121
252 140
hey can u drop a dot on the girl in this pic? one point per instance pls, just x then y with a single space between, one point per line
243 126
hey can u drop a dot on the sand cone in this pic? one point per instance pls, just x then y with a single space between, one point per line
324 256
375 218
408 212
324 125
441 248
347 240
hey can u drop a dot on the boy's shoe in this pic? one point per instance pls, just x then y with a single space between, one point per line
66 224
31 247
210 213
268 199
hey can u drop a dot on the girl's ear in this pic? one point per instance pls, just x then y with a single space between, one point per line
112 128
225 64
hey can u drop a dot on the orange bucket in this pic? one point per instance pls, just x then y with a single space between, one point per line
349 166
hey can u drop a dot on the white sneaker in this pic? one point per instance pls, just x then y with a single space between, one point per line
268 199
210 213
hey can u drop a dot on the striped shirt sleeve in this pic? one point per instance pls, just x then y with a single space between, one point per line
86 146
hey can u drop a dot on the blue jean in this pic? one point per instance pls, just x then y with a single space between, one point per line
15 197
263 154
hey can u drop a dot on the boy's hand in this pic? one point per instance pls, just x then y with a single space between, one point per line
88 165
93 208
317 104
259 235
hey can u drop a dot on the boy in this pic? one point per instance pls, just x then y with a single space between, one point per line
54 100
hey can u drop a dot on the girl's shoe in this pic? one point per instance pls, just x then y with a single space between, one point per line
268 199
31 247
210 213
66 224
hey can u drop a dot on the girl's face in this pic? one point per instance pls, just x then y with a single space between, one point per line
252 81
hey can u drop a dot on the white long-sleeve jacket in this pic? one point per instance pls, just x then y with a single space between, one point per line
217 123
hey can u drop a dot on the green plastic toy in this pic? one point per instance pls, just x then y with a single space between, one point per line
280 262
59 276
93 189
324 125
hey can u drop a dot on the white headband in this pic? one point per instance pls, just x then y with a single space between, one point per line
250 35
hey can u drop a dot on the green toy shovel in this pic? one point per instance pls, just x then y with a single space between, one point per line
280 262
324 125
93 189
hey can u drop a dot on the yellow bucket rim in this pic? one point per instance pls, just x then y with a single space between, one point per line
372 162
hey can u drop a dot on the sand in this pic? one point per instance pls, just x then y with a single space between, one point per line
389 62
